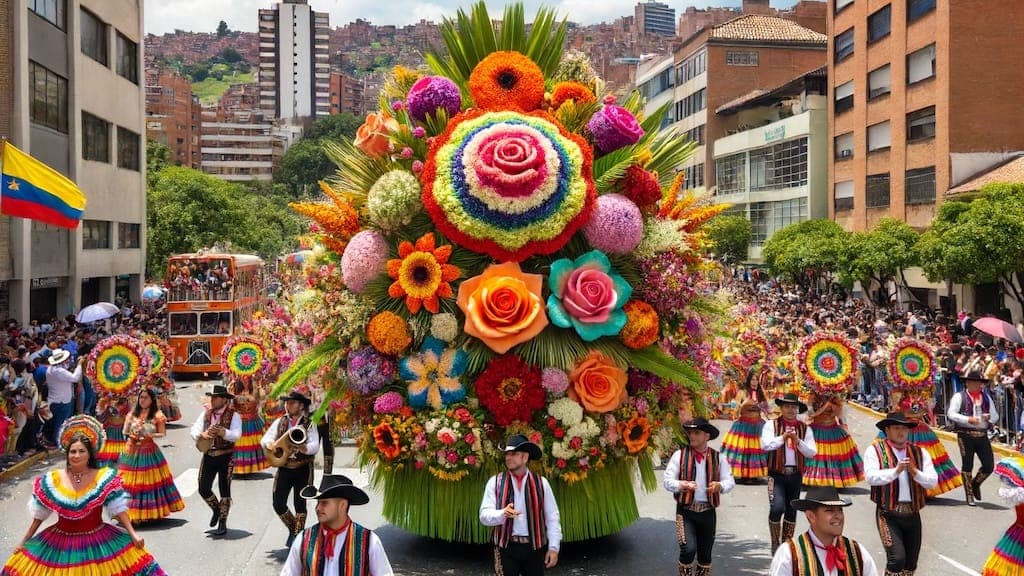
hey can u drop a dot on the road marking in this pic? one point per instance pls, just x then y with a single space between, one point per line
187 482
959 566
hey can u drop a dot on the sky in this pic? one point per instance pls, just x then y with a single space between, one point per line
204 15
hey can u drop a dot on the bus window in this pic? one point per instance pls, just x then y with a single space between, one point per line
183 324
215 323
224 324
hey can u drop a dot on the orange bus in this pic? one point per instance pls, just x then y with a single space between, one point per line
209 296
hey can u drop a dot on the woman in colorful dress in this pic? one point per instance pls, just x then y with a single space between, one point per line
1007 558
147 477
80 542
838 462
111 412
249 456
742 443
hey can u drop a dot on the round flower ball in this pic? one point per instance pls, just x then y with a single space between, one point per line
431 93
616 225
394 199
641 329
365 258
614 127
444 326
554 381
507 80
388 333
368 371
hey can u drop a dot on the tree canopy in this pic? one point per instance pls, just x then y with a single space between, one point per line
880 255
305 163
730 236
806 251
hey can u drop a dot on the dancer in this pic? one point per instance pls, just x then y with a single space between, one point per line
80 542
147 477
249 457
837 462
296 470
973 411
788 443
1007 558
922 435
220 426
741 445
111 413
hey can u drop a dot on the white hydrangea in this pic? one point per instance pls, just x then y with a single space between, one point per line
567 411
586 429
444 326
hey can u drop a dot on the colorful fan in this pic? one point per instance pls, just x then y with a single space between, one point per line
827 362
912 365
160 354
86 426
243 356
117 366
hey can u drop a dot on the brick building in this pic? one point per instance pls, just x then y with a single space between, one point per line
347 95
807 13
173 116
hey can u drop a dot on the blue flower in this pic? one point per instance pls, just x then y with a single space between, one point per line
433 375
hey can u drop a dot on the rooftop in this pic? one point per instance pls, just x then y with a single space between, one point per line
1010 171
763 96
761 28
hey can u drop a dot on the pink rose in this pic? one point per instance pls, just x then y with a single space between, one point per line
453 457
419 464
589 295
471 460
446 437
470 438
511 161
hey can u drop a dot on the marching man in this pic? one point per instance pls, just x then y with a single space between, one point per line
297 471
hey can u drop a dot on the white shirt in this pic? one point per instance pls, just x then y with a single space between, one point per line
232 434
491 515
782 562
671 482
926 475
378 559
771 442
61 383
954 411
312 436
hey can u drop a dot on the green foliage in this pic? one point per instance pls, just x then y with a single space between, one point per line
307 162
158 157
210 85
813 246
730 236
881 254
222 29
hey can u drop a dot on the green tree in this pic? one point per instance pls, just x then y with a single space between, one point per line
881 255
305 163
230 55
158 157
807 252
222 29
730 236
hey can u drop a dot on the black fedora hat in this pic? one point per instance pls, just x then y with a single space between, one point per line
220 391
298 397
702 424
975 373
819 496
790 398
520 443
895 419
336 486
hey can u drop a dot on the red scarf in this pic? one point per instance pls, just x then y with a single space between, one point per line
835 558
331 536
699 456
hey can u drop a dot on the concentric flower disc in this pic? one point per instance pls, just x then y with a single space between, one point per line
827 363
116 366
911 365
244 358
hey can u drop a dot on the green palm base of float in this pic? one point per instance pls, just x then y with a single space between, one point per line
603 503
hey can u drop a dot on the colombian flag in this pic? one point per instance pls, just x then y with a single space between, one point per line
33 190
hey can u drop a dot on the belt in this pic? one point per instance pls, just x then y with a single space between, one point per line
972 432
519 540
293 464
215 453
698 507
788 470
902 509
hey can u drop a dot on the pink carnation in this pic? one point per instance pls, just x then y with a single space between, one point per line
555 382
388 403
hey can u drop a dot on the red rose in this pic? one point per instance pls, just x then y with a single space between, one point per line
594 451
560 463
470 438
453 457
575 443
552 423
559 433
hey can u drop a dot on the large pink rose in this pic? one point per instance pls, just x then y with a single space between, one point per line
589 295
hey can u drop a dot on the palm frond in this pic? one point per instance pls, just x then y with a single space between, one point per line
356 173
668 153
574 116
654 360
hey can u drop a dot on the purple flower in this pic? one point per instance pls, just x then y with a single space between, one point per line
431 93
369 371
397 105
640 381
614 127
616 225
554 381
641 406
388 403
419 132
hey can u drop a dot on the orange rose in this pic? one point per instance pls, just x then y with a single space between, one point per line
372 137
598 383
503 306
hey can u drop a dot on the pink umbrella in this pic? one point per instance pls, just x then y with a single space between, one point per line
997 328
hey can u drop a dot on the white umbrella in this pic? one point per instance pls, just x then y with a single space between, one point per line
97 311
152 292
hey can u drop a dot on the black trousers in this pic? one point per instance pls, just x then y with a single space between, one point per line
519 560
696 534
971 445
901 538
220 467
291 481
323 428
783 489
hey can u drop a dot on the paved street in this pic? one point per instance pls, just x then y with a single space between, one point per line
957 538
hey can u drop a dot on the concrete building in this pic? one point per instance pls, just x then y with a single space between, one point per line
773 164
655 18
240 145
72 95
294 72
347 95
173 116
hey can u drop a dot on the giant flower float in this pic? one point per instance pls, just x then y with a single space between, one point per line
507 252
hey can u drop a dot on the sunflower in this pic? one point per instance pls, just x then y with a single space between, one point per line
387 440
635 433
422 274
507 80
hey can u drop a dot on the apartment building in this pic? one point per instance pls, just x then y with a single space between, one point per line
347 95
655 18
240 145
173 116
294 71
72 95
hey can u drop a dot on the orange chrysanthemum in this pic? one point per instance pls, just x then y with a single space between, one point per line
422 274
687 207
565 91
507 80
337 219
641 329
388 333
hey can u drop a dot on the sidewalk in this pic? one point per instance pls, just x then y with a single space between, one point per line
11 469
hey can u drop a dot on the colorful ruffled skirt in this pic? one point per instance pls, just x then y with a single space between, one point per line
1007 558
105 550
112 448
149 483
249 456
838 462
949 474
742 449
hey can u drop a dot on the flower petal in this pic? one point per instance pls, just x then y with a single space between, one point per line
405 248
394 267
443 253
560 271
431 304
557 314
426 242
596 259
413 304
623 289
396 290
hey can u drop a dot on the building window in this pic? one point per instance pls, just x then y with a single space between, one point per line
692 67
921 64
691 104
95 138
95 235
840 4
780 166
879 136
50 10
741 57
844 146
921 124
844 97
844 45
787 212
694 176
127 149
696 135
128 235
127 58
732 173
918 8
880 24
49 98
759 217
876 193
879 82
844 196
919 186
94 37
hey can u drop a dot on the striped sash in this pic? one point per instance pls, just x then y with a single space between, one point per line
533 489
353 560
806 563
888 496
688 472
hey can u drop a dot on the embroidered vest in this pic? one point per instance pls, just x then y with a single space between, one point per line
297 459
967 403
688 472
806 563
504 494
777 457
888 496
353 560
225 421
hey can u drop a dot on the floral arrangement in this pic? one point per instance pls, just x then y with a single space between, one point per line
912 365
245 357
117 365
827 363
160 353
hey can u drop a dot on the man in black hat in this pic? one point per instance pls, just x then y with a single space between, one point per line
973 412
520 506
318 549
788 442
222 425
698 475
297 471
900 474
823 549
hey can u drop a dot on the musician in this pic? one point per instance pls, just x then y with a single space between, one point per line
222 426
297 471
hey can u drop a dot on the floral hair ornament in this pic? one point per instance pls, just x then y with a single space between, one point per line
912 365
828 363
244 356
117 365
84 425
